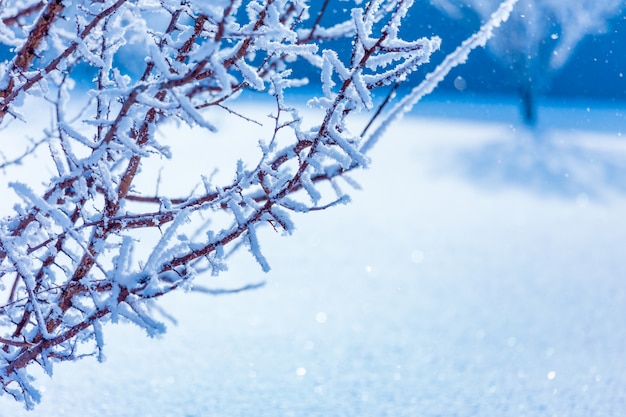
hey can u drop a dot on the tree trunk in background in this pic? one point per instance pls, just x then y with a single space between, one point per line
527 97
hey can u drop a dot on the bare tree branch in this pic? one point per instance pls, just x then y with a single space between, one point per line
80 252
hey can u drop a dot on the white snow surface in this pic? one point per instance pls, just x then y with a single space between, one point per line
495 287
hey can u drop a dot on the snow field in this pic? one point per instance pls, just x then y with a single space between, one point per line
469 277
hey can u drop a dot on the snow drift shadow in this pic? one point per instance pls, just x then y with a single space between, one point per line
570 164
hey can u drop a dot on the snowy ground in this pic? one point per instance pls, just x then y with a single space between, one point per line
497 288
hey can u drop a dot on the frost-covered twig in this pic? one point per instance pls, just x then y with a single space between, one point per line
94 246
457 57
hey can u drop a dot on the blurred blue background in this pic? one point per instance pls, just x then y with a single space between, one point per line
596 68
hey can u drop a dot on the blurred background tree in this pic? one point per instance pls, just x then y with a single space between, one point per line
540 39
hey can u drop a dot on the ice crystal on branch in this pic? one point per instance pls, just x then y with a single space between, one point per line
94 244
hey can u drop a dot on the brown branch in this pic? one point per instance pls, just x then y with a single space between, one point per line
32 9
316 24
37 34
27 53
96 220
33 351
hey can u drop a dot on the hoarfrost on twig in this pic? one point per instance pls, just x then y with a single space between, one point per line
96 244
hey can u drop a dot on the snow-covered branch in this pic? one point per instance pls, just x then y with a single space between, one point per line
95 244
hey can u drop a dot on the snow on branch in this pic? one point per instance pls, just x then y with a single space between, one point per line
457 57
99 241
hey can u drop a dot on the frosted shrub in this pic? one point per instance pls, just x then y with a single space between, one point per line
540 36
77 252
